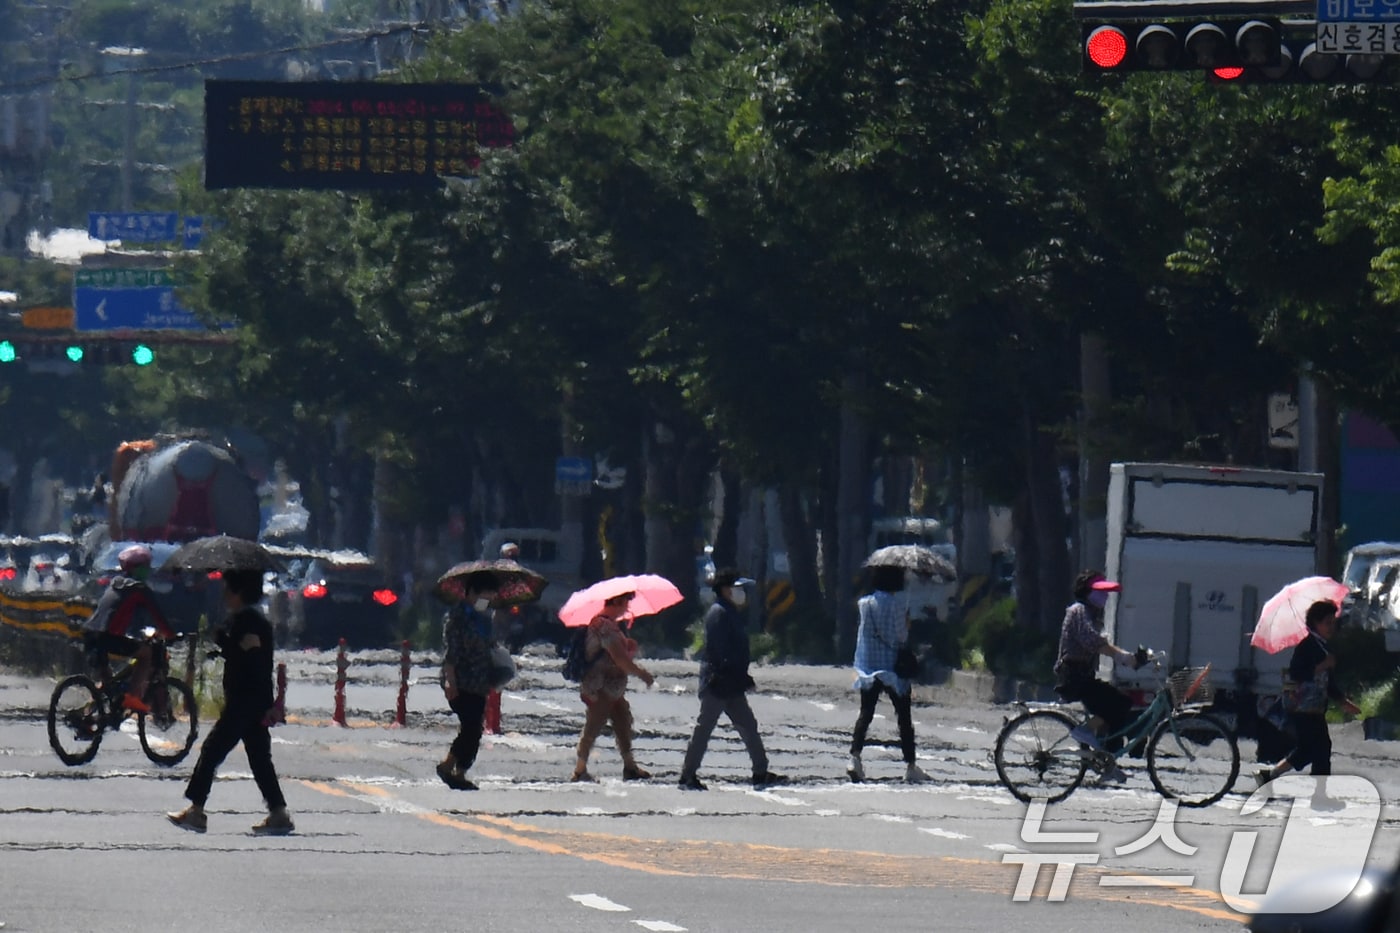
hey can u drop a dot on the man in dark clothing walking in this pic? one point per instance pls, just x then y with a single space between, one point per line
245 641
724 679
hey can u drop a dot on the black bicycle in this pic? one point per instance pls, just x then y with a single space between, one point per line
85 706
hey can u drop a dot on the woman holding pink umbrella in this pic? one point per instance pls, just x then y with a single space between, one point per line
609 654
1310 669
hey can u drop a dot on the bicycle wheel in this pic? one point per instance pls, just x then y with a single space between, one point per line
169 729
76 719
1036 759
1192 758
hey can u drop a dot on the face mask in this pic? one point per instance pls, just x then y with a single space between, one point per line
482 604
1098 598
738 597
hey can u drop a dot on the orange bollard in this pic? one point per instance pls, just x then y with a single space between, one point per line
493 713
405 664
279 706
340 665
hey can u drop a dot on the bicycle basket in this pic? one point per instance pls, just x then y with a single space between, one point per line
1189 686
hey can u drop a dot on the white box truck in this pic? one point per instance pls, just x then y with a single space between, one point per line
1198 550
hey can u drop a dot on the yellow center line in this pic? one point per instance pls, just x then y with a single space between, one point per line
748 861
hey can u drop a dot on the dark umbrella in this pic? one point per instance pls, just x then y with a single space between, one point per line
222 553
921 560
517 584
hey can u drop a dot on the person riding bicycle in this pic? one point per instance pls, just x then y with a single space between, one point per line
127 606
1082 641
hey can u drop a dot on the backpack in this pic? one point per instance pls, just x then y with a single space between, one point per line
576 662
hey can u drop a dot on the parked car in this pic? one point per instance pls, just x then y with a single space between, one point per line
1359 577
183 597
340 595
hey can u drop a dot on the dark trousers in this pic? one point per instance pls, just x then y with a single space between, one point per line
236 725
470 708
903 706
737 708
1314 744
1101 699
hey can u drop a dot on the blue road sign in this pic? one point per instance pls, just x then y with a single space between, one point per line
573 470
128 299
134 226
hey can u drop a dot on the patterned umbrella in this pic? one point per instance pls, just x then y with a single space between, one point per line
517 584
222 553
922 560
1281 622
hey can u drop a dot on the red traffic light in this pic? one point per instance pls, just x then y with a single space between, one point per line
1107 47
1227 73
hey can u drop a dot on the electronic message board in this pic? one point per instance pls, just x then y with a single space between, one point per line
346 135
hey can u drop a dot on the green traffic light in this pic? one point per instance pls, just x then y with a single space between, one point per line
7 352
142 355
74 353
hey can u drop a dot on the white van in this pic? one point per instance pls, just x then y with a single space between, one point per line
555 554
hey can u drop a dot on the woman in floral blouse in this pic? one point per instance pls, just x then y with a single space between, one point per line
604 688
466 674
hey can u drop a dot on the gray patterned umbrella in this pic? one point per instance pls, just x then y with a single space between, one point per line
922 560
222 553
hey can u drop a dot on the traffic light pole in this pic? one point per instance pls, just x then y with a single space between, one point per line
1138 10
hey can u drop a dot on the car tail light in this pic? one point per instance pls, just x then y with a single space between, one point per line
385 597
313 590
103 581
216 574
7 573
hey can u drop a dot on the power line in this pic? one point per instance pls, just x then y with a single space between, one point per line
220 59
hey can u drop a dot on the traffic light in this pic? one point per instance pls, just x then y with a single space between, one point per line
74 352
1300 62
142 355
1113 47
7 352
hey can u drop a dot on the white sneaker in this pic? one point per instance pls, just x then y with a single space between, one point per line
916 775
1085 736
856 771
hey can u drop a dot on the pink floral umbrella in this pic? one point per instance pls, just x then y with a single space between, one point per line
1281 622
650 594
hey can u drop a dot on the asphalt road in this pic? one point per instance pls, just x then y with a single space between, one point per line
382 845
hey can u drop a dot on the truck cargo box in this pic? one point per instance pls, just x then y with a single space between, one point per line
1198 550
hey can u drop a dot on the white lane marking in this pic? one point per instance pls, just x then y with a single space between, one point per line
945 833
779 798
1004 847
598 902
660 926
824 707
888 818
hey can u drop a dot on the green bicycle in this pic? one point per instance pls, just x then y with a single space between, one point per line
1191 756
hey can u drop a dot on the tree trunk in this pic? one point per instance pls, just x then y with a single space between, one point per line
852 506
1049 522
1096 396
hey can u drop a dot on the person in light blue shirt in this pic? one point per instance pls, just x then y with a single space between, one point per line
884 628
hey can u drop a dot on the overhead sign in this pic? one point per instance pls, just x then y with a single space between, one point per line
134 226
573 476
1358 27
47 318
128 299
346 134
1283 421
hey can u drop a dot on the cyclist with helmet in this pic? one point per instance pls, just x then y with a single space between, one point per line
127 606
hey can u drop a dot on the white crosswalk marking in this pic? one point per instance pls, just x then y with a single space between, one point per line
659 926
598 902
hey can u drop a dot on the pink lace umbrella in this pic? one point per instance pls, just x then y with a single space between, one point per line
650 594
1281 622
